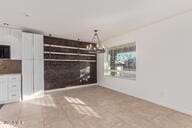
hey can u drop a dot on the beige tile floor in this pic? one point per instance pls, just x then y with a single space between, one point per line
91 107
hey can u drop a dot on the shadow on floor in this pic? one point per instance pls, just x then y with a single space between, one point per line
1 105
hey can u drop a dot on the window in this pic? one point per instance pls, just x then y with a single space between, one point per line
120 61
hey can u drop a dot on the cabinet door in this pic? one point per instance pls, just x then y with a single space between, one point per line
4 36
38 77
16 44
3 89
38 47
15 83
27 81
27 43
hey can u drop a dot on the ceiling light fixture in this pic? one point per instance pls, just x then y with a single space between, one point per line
99 47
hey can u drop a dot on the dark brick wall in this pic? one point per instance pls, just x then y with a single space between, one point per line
68 70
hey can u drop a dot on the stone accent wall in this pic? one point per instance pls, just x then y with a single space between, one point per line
68 63
10 66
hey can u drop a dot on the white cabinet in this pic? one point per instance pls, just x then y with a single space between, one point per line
10 88
38 47
38 77
14 82
38 65
28 45
4 36
16 44
27 81
12 38
32 66
3 89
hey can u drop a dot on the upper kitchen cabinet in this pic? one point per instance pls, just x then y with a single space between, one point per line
38 47
4 36
12 38
32 46
16 44
27 46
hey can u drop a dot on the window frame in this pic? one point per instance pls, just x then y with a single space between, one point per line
119 73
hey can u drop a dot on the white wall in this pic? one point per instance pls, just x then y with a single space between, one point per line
164 63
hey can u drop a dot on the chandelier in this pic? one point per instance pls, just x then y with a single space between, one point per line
98 47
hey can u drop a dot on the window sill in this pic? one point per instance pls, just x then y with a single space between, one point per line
120 77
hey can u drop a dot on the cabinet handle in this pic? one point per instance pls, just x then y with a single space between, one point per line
13 95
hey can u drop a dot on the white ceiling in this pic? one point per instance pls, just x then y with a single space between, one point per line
73 19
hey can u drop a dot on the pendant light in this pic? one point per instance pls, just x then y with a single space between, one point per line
98 47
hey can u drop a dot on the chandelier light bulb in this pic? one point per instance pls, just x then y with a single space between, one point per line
98 47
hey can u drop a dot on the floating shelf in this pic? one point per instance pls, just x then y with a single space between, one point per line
60 46
69 60
63 53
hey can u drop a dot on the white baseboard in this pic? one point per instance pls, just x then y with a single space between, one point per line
34 96
69 88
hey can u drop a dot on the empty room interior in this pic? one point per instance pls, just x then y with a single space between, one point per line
95 64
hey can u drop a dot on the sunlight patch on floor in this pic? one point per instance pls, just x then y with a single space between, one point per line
81 107
2 125
49 102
